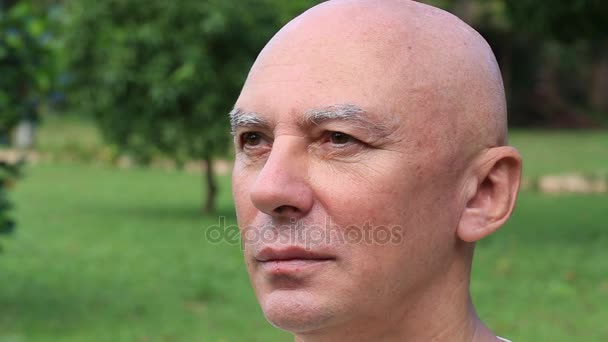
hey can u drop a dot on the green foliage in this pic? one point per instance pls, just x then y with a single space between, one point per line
25 75
563 20
26 64
8 174
554 57
573 36
161 78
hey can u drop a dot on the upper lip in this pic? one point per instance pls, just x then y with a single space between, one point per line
289 253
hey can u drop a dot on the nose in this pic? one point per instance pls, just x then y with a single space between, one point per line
282 188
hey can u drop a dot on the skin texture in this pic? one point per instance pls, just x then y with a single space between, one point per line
438 171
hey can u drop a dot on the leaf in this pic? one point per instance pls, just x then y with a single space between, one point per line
184 72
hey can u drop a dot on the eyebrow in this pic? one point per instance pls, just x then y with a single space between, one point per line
347 113
240 118
341 112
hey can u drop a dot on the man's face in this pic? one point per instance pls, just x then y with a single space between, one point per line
346 197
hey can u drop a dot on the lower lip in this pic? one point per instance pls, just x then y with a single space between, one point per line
293 266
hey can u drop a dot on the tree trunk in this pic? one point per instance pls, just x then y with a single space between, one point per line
548 102
598 94
211 186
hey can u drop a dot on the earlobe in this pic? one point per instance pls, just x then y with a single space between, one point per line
492 193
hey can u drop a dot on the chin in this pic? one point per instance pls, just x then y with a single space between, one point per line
296 311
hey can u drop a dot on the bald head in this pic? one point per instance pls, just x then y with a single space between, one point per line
426 65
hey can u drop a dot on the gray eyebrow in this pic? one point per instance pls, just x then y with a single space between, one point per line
345 112
314 117
239 118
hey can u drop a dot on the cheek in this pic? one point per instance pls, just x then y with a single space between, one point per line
374 210
402 199
355 194
242 181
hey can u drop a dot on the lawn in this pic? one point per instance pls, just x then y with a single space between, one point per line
108 255
551 152
103 254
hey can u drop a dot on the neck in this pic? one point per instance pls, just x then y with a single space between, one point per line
440 310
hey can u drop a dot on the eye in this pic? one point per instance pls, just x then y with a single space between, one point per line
339 138
336 145
251 139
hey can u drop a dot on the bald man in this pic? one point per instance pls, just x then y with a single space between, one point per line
371 155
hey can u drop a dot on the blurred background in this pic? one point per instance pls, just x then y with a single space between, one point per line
115 158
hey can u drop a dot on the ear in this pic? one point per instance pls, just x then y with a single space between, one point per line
491 193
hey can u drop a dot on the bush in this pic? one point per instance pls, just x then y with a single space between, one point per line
8 174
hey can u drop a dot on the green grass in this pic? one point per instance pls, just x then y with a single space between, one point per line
69 137
544 275
120 255
551 152
103 254
108 255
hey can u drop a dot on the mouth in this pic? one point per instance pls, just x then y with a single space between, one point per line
291 259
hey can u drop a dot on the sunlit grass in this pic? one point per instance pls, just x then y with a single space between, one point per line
554 152
107 255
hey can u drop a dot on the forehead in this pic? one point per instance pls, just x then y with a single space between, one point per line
298 93
384 66
290 83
